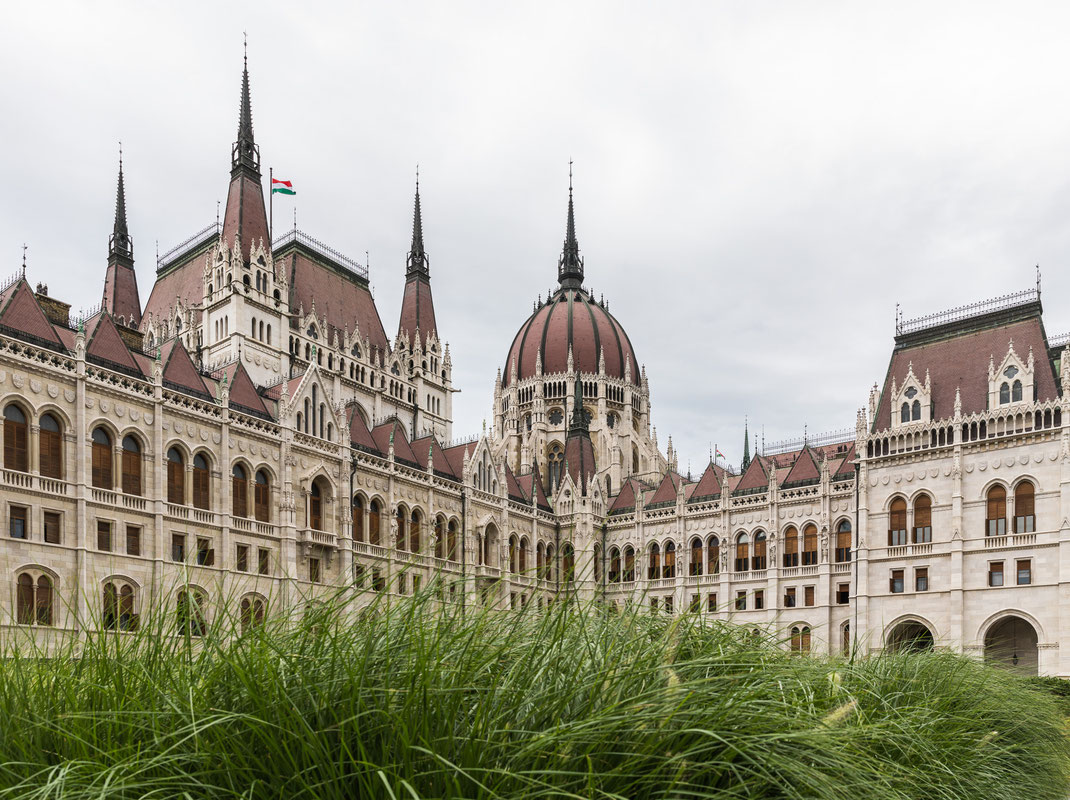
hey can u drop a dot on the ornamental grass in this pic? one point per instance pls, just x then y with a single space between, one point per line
412 698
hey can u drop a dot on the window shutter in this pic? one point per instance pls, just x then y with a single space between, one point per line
175 483
261 492
131 473
240 497
200 488
50 454
102 477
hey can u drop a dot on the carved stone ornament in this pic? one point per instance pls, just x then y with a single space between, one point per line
134 414
18 380
68 394
120 411
149 418
53 391
104 406
35 386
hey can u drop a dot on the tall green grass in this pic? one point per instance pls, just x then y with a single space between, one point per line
411 700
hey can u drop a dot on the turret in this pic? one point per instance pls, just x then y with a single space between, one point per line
417 307
120 282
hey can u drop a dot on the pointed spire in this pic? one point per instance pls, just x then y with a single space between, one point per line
578 424
570 265
746 445
417 260
120 243
245 152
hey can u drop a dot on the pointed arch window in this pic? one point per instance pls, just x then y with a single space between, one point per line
614 565
843 541
904 413
759 559
1004 393
119 607
373 522
923 519
742 553
451 541
189 613
131 466
555 461
897 523
654 569
262 496
915 410
50 447
809 554
33 599
1016 391
402 538
668 569
629 564
176 477
1024 508
252 613
200 482
713 555
791 546
414 532
695 565
315 507
568 563
102 459
239 491
996 512
440 537
358 518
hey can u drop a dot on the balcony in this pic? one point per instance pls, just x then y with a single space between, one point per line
1010 541
904 550
310 536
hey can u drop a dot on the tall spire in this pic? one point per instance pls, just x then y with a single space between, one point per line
245 152
417 261
120 243
120 282
417 306
746 445
578 424
570 265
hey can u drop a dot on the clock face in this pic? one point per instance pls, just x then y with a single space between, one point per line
556 416
1010 371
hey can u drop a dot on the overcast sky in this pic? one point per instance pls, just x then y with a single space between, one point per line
757 184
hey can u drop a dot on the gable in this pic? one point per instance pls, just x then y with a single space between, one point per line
708 485
754 478
243 392
803 470
106 345
181 374
22 314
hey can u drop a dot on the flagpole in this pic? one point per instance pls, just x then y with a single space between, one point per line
271 203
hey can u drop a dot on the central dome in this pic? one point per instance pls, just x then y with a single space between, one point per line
571 318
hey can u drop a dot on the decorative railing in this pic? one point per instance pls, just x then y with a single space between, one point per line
188 246
820 440
977 309
315 245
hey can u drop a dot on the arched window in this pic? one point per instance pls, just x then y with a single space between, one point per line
252 613
402 539
568 563
261 496
512 554
742 552
189 613
556 460
358 518
200 482
915 410
33 599
1024 517
809 555
414 532
119 607
629 564
50 448
1004 393
713 555
540 561
759 559
695 565
653 571
996 512
614 565
843 541
176 477
897 523
923 519
315 507
131 466
239 491
1016 391
102 459
668 569
16 437
374 523
791 546
904 413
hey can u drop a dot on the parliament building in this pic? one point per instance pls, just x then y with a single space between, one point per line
251 439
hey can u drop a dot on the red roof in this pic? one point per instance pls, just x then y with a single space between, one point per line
625 499
709 485
513 487
107 345
359 434
754 477
666 491
179 370
455 458
340 296
402 450
957 357
184 282
532 481
417 309
242 389
246 214
579 459
22 314
804 468
120 293
421 446
571 318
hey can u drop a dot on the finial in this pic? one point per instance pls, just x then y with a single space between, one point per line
295 218
245 47
24 259
120 155
570 176
217 214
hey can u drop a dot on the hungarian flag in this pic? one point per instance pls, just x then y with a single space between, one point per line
281 187
719 453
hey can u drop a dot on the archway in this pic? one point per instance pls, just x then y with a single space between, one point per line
1012 643
910 637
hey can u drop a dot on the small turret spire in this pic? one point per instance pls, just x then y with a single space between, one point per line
578 424
121 297
746 445
245 152
570 265
417 261
120 243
